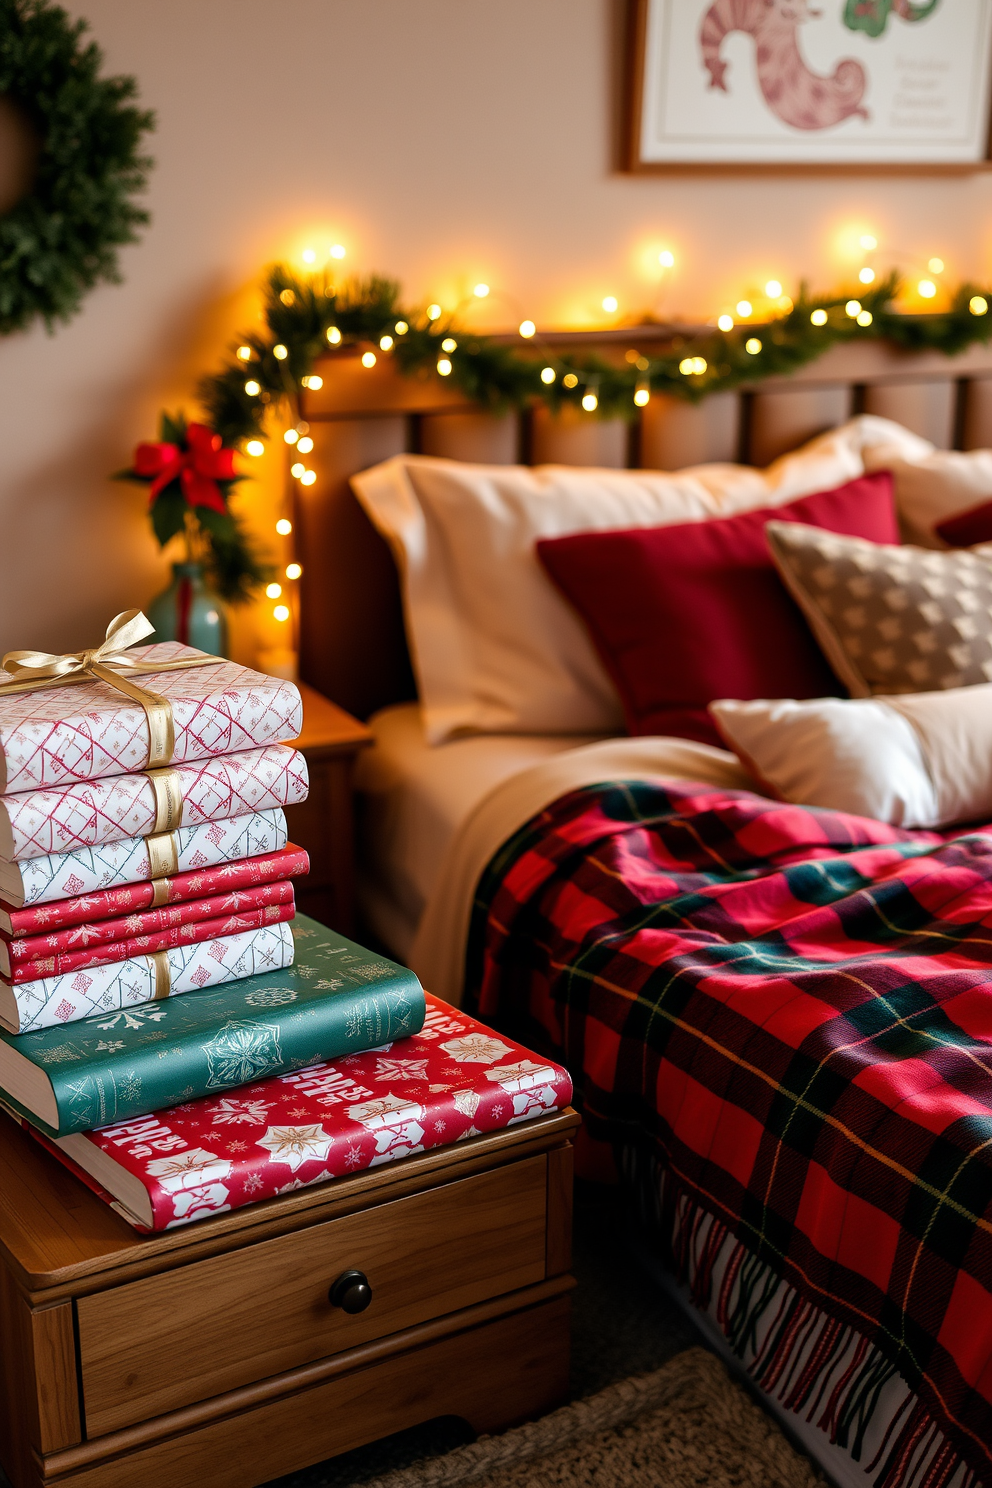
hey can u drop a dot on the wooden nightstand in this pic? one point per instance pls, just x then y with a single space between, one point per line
213 1354
324 824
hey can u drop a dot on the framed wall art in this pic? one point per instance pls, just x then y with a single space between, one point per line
788 84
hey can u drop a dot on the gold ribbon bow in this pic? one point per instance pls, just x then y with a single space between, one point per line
28 671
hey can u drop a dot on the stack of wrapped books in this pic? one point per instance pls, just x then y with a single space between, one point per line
167 1033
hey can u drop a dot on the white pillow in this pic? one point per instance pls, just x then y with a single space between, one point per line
495 648
932 486
917 760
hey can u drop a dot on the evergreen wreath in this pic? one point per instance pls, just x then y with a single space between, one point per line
62 238
310 318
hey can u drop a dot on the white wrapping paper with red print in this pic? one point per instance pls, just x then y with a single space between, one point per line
455 1079
38 823
113 864
124 991
58 735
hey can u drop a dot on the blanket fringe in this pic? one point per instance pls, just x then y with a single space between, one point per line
819 1368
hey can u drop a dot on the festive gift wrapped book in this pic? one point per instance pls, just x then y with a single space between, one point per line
38 823
454 1079
104 991
44 921
65 963
59 734
336 999
29 957
114 864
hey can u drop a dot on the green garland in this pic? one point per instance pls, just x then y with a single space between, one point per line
62 238
306 319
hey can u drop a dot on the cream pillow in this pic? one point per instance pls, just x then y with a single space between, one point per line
923 760
495 648
932 485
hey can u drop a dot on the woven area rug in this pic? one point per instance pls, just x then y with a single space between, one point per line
685 1425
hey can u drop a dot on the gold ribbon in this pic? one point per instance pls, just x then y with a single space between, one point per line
163 975
168 800
163 855
29 671
160 892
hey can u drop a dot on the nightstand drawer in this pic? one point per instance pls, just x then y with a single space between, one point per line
188 1334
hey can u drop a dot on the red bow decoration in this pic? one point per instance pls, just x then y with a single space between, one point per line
198 467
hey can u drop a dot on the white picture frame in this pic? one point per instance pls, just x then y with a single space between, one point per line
835 85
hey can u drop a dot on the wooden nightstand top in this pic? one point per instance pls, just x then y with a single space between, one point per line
328 730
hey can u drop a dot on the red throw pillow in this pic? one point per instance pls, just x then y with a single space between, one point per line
684 615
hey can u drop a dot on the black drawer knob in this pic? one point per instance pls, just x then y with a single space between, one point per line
351 1291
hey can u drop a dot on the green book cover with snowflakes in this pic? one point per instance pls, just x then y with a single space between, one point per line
337 998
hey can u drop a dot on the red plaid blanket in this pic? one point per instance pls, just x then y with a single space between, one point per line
793 1007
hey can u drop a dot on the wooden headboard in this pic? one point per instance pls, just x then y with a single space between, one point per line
352 646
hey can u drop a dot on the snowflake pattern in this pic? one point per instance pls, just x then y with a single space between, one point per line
130 1018
295 1145
232 1112
476 1048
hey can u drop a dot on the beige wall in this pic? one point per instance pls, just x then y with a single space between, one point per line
442 141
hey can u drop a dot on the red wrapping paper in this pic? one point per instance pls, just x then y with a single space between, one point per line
289 862
142 934
454 1079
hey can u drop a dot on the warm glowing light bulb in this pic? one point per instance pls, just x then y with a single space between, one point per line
244 353
297 469
273 591
480 291
281 612
868 242
773 289
527 329
385 343
700 365
284 526
287 296
610 304
936 266
853 308
666 258
308 256
337 251
570 380
752 345
293 570
368 358
305 445
744 308
726 322
449 344
590 402
865 318
443 367
308 477
252 388
548 373
401 328
978 305
927 288
291 436
333 335
313 382
280 352
642 395
819 317
687 366
867 276
255 447
433 312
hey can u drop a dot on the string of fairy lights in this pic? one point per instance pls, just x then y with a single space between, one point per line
765 333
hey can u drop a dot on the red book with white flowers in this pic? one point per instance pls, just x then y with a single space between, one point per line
75 947
128 899
454 1079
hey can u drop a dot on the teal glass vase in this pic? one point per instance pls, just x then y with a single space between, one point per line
190 612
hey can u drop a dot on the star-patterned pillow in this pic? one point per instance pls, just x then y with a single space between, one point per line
890 619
